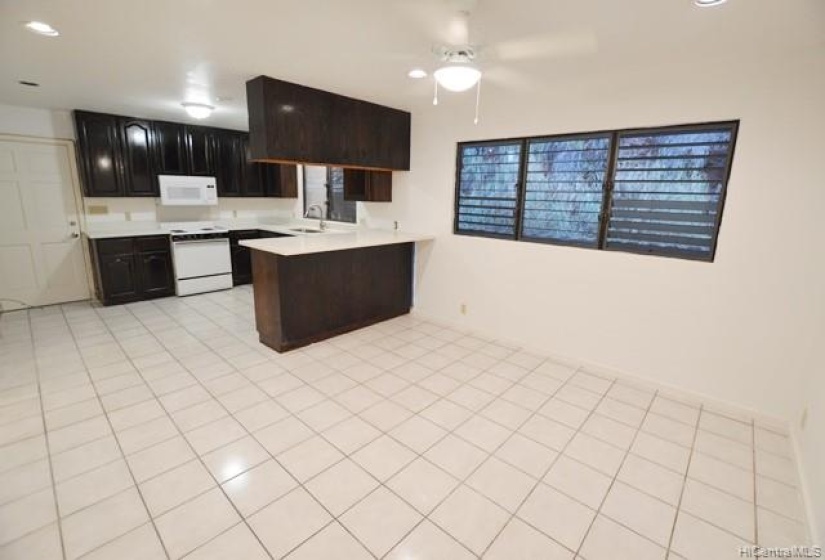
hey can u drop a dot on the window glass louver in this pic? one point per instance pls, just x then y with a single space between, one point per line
668 190
652 191
487 197
564 189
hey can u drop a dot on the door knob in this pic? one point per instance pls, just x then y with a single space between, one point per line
75 235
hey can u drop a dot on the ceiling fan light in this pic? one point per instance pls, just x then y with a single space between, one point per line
198 110
457 78
417 73
708 3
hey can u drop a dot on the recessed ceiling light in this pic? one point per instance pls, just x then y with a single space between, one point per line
41 28
708 3
417 74
28 83
198 110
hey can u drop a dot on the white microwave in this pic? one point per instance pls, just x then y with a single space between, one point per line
185 190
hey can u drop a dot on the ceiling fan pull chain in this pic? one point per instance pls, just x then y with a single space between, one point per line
435 97
478 100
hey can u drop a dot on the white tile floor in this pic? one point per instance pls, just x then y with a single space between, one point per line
165 430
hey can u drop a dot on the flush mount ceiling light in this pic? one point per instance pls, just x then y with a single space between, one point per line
198 110
41 28
417 74
709 3
457 77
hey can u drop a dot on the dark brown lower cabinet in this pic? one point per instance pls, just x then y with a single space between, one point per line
241 259
306 298
241 256
128 269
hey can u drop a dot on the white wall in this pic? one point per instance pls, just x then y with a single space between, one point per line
745 329
812 446
42 123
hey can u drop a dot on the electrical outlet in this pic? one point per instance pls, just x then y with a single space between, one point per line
803 421
463 308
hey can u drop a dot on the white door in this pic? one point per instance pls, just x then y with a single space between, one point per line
41 256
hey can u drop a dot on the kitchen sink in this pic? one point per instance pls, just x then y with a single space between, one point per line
305 230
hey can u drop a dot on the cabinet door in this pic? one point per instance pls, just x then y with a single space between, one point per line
170 148
255 177
241 265
138 157
230 163
287 181
369 186
98 154
277 180
199 149
155 273
241 256
118 275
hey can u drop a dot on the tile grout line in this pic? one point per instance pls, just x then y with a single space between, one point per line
463 482
46 441
421 455
385 397
348 456
444 366
122 453
198 456
512 383
684 481
540 479
230 414
755 488
613 483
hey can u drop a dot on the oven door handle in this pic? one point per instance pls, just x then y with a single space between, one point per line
187 241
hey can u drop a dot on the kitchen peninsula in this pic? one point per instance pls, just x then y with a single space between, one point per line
312 287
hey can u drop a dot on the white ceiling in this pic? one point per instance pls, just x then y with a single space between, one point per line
144 57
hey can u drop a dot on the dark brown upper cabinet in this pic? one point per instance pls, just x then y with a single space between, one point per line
229 153
291 123
115 155
185 149
98 154
137 142
200 143
367 186
122 156
279 179
170 148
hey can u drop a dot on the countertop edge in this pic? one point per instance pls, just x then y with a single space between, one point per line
305 245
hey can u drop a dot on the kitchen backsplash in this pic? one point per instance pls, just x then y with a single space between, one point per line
112 212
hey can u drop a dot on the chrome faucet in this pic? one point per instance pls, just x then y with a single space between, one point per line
321 222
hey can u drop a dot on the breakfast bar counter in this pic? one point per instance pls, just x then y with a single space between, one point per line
312 287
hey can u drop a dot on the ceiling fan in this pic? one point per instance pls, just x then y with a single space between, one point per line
461 63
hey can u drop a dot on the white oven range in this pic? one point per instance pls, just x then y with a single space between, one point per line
201 258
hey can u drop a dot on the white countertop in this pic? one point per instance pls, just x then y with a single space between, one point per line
155 229
333 241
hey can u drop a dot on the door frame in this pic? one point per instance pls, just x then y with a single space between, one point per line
77 198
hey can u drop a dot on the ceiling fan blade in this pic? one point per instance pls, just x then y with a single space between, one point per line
508 78
443 21
458 29
572 43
